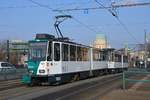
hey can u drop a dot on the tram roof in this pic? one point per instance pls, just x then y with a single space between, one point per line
58 40
108 49
70 42
39 40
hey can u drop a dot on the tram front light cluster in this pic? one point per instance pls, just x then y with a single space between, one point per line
41 71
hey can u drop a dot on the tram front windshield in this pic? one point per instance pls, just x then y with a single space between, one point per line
38 51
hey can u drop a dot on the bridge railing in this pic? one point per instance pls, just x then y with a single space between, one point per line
136 79
10 73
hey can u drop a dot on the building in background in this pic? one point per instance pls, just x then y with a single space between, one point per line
101 41
18 52
137 56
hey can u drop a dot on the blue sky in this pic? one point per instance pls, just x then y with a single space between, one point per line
21 19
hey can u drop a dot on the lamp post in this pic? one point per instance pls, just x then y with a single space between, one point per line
145 49
7 58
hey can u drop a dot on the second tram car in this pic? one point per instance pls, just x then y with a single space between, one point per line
55 60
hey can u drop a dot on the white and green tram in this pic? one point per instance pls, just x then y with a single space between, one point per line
54 60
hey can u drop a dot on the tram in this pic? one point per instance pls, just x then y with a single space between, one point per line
58 60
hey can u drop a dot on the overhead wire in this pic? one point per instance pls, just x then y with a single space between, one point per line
125 28
75 19
25 6
108 7
116 16
88 27
72 3
41 5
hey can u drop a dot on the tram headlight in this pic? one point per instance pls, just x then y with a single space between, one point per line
41 71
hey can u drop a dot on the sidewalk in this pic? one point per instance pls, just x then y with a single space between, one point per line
127 95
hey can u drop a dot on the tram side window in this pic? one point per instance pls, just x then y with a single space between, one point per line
117 58
57 52
85 54
49 58
72 53
102 56
112 56
96 55
65 52
125 58
79 54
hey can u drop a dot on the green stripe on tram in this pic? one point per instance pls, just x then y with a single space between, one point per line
33 65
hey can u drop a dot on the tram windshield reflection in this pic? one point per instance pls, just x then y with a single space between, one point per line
37 51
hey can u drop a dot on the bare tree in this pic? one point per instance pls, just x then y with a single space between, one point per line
3 50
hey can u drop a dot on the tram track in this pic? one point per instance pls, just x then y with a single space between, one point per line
84 90
9 81
18 91
4 85
81 91
25 92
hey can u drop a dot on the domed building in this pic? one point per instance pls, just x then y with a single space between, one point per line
101 41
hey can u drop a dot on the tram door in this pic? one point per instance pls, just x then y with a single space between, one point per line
56 58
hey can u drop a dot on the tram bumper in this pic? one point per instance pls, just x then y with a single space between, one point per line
26 79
